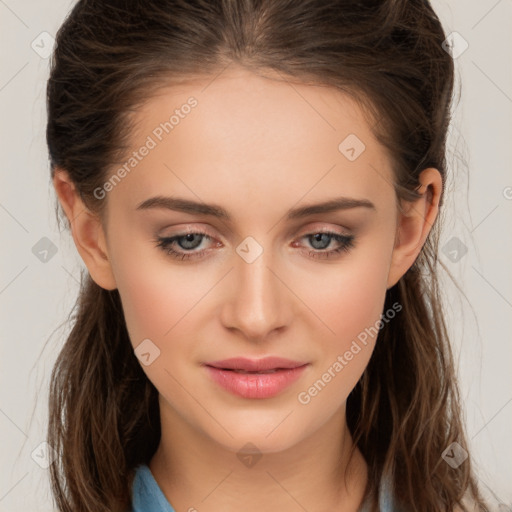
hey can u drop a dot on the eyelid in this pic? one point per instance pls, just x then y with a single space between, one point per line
186 230
325 227
345 241
214 240
317 227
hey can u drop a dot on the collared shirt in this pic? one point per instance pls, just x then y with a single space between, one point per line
148 497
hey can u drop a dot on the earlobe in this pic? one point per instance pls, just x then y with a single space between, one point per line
414 224
87 231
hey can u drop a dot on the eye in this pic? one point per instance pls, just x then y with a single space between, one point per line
183 246
322 239
187 241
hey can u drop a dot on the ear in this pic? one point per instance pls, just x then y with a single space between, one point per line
87 230
414 224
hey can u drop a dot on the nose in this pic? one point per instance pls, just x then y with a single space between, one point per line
258 302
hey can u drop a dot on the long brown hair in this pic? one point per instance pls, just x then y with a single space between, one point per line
110 57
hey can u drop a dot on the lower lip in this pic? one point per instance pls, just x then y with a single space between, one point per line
255 385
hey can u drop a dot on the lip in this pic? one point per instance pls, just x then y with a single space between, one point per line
255 365
255 385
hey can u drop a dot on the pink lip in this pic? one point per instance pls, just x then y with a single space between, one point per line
255 385
255 365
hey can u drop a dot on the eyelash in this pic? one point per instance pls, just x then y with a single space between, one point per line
346 241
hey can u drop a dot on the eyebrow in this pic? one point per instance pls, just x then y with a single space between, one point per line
193 207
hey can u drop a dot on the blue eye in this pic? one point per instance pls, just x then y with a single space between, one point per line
192 241
345 243
183 246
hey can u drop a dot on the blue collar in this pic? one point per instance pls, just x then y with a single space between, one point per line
148 497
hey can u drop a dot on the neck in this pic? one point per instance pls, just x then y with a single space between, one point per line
195 472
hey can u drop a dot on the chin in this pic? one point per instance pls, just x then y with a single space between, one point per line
251 439
251 445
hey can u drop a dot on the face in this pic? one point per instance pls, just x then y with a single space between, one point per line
267 278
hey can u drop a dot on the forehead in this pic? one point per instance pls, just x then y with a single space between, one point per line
254 136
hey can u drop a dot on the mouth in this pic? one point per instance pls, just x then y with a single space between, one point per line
262 378
273 370
264 365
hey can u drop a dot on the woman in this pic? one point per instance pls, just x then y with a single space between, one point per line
254 187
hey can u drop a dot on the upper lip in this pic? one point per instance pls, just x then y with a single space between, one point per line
255 365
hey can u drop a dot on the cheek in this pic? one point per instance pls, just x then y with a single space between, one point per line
351 307
159 298
349 299
350 302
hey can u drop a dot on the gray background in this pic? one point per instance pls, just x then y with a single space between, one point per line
37 295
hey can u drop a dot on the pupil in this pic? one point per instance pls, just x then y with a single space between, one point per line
188 241
318 238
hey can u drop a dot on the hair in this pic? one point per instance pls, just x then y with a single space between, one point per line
111 57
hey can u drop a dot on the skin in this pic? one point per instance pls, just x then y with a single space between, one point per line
257 147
